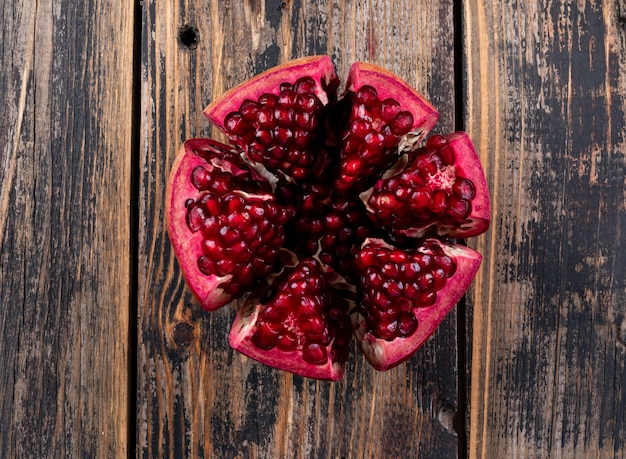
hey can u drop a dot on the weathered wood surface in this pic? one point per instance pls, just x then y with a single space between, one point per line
65 149
546 97
539 369
196 396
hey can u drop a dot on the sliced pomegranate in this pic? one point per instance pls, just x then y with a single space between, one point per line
405 294
328 179
382 112
440 192
225 226
298 324
274 116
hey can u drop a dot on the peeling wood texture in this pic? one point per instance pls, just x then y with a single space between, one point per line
546 87
65 149
106 354
196 396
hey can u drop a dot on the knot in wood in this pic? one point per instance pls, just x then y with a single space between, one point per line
183 335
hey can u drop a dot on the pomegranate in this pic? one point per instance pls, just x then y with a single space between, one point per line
223 221
440 191
298 323
405 294
378 111
274 117
333 211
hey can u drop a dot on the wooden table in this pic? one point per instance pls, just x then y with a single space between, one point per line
104 351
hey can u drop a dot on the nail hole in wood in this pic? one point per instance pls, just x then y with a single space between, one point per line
189 36
446 417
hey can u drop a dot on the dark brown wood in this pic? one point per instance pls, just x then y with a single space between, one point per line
196 396
543 356
65 149
546 101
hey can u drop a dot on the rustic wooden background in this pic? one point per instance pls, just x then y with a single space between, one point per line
106 354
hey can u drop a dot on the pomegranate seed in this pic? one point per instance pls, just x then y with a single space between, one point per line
211 248
304 85
303 120
407 324
224 266
246 275
287 342
393 288
313 326
268 100
314 354
360 128
436 141
308 103
265 118
368 96
235 124
386 330
288 98
458 208
373 141
402 123
425 299
439 202
301 139
447 155
264 337
264 136
464 189
283 135
195 217
200 178
248 110
284 116
389 109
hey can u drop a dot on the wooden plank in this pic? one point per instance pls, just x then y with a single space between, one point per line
546 98
65 139
196 398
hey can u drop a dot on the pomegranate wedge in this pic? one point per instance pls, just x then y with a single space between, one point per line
224 225
440 192
405 294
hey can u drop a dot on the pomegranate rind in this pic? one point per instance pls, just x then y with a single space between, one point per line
320 68
384 355
187 244
390 85
240 339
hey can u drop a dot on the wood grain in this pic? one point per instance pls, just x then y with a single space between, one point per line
196 398
65 117
546 91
